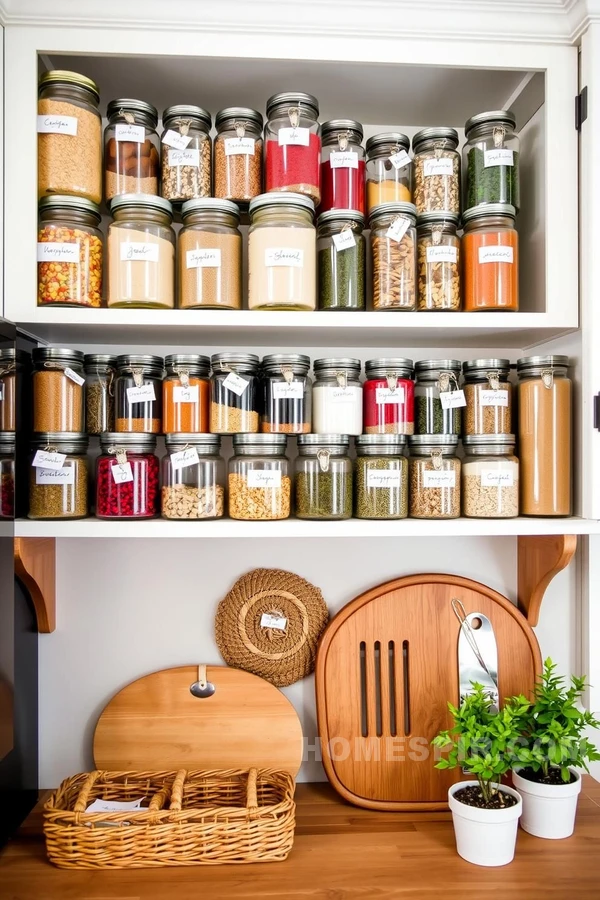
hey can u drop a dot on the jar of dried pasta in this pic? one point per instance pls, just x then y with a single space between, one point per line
259 480
209 255
490 477
131 145
58 477
69 252
394 255
389 169
434 475
186 151
436 170
488 393
438 262
238 154
58 390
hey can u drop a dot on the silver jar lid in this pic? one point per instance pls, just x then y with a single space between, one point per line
56 202
493 117
323 440
394 208
348 127
534 364
65 441
275 362
140 201
292 98
438 365
7 442
58 354
94 361
205 443
243 362
18 358
341 216
208 205
378 142
491 440
489 209
475 368
131 441
333 364
389 443
447 219
402 368
196 114
449 137
281 198
424 441
151 364
260 442
146 112
64 77
238 114
193 362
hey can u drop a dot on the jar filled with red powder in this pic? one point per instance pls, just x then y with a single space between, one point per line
388 397
342 165
127 477
293 144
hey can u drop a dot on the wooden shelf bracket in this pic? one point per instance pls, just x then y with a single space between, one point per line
539 559
35 567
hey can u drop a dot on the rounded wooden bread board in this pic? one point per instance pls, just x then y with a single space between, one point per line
155 723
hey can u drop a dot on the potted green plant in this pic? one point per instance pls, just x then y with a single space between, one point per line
485 814
553 743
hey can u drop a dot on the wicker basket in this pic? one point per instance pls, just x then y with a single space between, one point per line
192 818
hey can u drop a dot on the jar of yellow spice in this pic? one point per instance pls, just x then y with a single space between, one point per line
389 169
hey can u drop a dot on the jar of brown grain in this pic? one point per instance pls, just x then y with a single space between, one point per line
58 390
131 160
209 255
186 153
488 393
238 154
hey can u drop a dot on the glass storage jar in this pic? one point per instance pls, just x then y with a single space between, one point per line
138 393
259 481
7 475
337 396
58 394
323 477
434 476
234 393
131 148
127 477
209 254
389 169
286 394
488 393
13 365
141 253
100 373
193 477
436 170
436 378
388 394
394 256
186 152
281 252
238 154
545 435
381 477
490 252
490 477
438 260
293 145
69 129
341 258
59 491
69 252
186 394
342 166
491 159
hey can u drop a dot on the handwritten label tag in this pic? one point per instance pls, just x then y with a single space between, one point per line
184 157
343 159
284 256
174 139
104 806
398 229
439 479
279 623
382 479
143 394
299 137
442 254
240 146
264 478
400 159
452 399
443 166
493 398
59 252
344 240
236 383
57 125
134 133
74 376
496 255
345 395
387 395
121 472
66 475
496 478
498 157
184 458
288 390
44 459
139 251
203 259
186 394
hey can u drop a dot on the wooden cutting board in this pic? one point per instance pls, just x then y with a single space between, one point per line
156 723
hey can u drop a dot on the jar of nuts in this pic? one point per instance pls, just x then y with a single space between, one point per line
259 481
193 477
434 475
438 249
130 148
490 477
185 153
238 154
488 393
394 253
436 170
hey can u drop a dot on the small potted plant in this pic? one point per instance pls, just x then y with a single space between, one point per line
485 814
553 743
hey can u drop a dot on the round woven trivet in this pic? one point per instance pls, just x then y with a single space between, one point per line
280 656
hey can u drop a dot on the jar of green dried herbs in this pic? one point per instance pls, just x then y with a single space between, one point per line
323 477
341 259
381 477
58 476
491 159
438 398
100 371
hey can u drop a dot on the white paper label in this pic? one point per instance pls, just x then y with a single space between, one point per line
344 395
264 478
48 252
174 139
74 376
43 459
400 159
139 251
297 136
496 254
239 146
184 458
344 159
496 478
1 392
134 133
57 125
184 157
186 394
121 472
452 399
236 383
142 394
442 254
284 256
442 166
203 259
387 395
279 623
398 229
439 479
493 398
65 475
288 390
104 806
498 157
344 240
383 479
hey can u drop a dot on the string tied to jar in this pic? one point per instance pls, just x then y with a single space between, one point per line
498 134
288 374
8 368
436 459
343 140
240 129
294 116
49 448
494 380
120 453
392 381
342 379
323 457
436 234
547 378
110 372
184 376
184 126
447 381
438 148
128 116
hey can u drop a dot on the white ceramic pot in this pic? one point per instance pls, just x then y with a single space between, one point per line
548 809
485 837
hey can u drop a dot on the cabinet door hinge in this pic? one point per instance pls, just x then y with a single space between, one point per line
597 412
581 108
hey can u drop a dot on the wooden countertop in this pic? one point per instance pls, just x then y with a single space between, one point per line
340 851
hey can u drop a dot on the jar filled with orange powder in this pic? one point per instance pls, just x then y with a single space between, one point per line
490 252
186 395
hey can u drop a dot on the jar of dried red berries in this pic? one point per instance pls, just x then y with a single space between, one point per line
127 477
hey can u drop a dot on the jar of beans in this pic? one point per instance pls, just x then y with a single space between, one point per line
7 474
209 254
293 145
186 394
286 394
100 374
490 250
342 166
138 393
488 393
127 482
186 152
193 477
13 365
337 396
323 477
131 148
394 254
388 396
234 393
434 476
58 476
438 260
490 477
436 171
438 398
58 393
69 252
389 169
238 154
381 477
341 259
491 159
259 481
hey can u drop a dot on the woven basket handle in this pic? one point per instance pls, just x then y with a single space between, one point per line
251 796
159 799
84 793
177 791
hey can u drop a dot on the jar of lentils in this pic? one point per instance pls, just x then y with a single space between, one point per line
388 396
323 477
337 396
394 256
58 393
209 253
381 477
131 148
234 393
69 252
436 171
490 477
138 393
193 477
100 373
438 262
389 169
238 154
127 479
259 481
58 477
287 394
434 475
186 153
488 393
438 399
341 259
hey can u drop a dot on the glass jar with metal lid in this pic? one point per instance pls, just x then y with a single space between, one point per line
58 476
437 403
490 477
58 395
186 153
7 474
186 394
141 253
69 252
100 373
341 259
342 166
193 477
209 254
394 256
281 252
545 435
259 481
323 477
337 396
488 393
389 169
381 477
234 393
490 251
388 394
436 170
434 476
438 260
69 128
491 159
13 364
293 144
131 148
127 477
238 154
138 393
286 394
